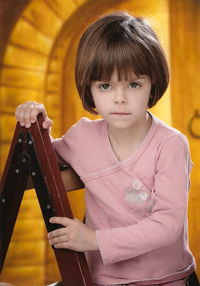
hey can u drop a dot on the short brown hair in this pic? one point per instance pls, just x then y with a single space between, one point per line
122 42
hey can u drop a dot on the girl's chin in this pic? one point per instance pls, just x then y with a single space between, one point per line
121 124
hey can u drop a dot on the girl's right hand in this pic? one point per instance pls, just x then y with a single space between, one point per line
27 112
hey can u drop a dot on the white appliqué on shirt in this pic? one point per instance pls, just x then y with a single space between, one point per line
138 198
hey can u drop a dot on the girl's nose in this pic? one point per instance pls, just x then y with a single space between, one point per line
120 97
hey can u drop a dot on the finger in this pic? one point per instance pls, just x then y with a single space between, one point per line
20 113
59 239
24 111
57 232
39 108
68 245
63 245
32 109
47 123
42 109
34 113
27 115
61 220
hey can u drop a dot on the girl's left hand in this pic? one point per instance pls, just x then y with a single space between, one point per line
75 235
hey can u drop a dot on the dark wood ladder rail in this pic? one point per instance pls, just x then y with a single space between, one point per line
32 163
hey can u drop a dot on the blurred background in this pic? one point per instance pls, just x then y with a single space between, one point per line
38 41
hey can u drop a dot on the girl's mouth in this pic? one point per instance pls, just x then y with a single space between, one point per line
120 113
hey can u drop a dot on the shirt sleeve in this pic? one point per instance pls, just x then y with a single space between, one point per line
163 227
65 147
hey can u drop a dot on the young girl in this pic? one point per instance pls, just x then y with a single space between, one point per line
135 168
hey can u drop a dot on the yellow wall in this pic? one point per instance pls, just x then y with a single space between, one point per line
185 85
38 65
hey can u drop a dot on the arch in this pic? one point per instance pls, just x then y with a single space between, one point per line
38 65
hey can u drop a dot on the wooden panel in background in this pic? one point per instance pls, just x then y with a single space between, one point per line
185 86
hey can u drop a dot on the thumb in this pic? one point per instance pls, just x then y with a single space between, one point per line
47 123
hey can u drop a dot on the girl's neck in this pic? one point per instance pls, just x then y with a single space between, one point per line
124 142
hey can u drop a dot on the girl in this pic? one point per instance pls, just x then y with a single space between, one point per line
135 168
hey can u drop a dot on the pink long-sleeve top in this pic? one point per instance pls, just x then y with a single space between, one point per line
138 207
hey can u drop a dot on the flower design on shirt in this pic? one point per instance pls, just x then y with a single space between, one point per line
137 197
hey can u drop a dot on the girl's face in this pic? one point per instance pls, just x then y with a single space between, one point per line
123 104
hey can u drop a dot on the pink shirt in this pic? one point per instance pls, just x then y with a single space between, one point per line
138 206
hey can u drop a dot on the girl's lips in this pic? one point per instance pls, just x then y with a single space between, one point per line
120 113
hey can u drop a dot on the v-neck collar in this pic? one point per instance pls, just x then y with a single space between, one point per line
135 155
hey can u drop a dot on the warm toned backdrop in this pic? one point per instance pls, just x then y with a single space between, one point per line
38 40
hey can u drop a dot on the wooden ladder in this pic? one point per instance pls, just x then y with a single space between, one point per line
32 163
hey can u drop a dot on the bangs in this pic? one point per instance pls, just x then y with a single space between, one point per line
120 55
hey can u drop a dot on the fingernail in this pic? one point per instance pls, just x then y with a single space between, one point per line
27 125
45 125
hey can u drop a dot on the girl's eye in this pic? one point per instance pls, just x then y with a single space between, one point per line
133 85
105 86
